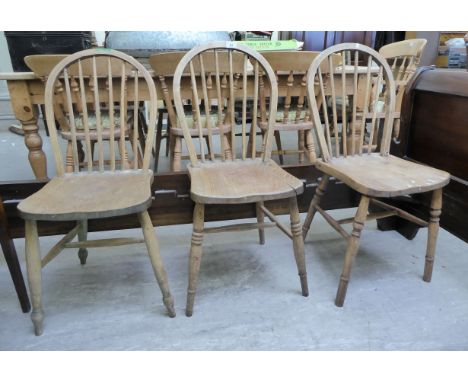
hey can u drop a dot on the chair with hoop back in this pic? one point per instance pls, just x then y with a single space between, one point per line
42 65
294 115
243 176
403 58
108 191
164 66
373 173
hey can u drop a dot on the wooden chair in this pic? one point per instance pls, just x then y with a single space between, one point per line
42 65
294 114
164 66
403 57
373 175
241 177
111 190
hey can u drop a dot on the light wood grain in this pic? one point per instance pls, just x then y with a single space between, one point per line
240 181
385 176
90 196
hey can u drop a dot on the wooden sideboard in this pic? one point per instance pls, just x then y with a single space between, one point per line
434 131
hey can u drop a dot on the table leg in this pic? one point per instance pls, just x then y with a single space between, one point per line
26 112
9 251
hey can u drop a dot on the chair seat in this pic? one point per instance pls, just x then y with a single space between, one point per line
90 196
384 176
194 132
235 182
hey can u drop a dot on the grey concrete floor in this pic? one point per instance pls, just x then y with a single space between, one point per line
248 296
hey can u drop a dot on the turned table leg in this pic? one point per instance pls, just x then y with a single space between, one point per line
26 113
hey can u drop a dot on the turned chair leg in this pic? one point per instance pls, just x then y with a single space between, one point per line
298 244
33 264
195 255
301 144
82 236
319 192
310 146
352 248
260 219
152 246
432 232
69 157
279 146
177 154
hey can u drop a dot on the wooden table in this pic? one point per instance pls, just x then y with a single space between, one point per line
27 92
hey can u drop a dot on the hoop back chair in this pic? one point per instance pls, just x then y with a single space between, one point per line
244 176
404 57
291 73
42 65
89 194
372 174
164 65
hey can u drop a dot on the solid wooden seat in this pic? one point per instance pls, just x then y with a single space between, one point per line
384 176
369 124
93 195
94 189
240 181
238 172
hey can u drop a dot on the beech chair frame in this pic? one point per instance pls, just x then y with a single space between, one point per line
404 57
116 190
42 65
240 177
293 67
372 174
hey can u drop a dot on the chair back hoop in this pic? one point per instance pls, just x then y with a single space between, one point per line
82 83
222 80
362 98
412 47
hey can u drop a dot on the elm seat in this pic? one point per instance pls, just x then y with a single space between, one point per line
384 176
90 195
241 181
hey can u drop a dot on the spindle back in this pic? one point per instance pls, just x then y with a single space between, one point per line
101 83
165 64
219 105
291 73
403 57
369 116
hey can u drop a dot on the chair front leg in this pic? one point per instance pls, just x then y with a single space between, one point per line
260 219
82 236
195 255
152 246
432 232
33 264
298 244
319 192
352 248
